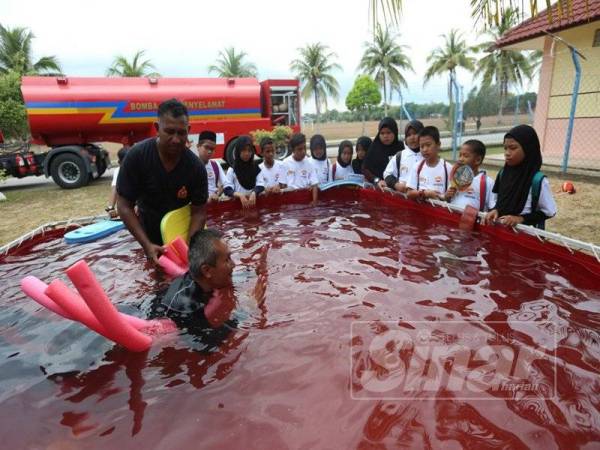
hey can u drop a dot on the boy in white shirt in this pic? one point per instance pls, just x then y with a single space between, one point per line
299 173
430 177
214 172
479 194
398 170
272 172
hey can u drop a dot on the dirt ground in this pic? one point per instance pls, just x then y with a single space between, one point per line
342 130
578 214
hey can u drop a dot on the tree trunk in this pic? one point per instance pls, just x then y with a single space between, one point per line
503 92
364 117
317 108
385 111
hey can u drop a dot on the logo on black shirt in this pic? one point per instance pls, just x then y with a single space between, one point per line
182 193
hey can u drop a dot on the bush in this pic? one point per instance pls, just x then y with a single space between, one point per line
280 135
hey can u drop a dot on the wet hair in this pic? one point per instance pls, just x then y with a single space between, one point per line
121 154
296 140
432 132
476 147
265 141
202 249
172 107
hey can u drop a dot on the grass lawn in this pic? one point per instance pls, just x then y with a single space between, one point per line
578 215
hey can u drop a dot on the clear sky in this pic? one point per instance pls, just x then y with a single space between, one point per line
182 38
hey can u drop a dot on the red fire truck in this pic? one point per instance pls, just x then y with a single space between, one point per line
73 114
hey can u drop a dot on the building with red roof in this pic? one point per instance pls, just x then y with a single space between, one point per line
579 27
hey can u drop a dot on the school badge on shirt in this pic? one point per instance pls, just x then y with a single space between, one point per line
182 193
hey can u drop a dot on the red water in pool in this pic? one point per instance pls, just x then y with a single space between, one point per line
318 367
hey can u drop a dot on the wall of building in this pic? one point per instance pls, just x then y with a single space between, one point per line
554 100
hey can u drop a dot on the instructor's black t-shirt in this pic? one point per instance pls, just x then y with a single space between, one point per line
143 179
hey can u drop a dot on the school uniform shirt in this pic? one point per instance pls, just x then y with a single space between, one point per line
143 179
341 173
430 178
472 195
546 203
272 176
231 181
213 179
322 169
408 159
299 174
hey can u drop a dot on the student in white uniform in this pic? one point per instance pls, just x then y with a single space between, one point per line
431 177
343 165
299 173
479 194
272 172
242 180
319 160
112 199
214 172
397 172
524 194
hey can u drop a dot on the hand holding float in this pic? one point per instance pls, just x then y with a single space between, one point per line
175 259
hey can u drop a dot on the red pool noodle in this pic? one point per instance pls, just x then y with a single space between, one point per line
182 249
35 288
106 313
170 267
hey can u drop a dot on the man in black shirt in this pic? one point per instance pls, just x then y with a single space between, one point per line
161 174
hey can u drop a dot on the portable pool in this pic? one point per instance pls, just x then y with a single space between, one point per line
384 326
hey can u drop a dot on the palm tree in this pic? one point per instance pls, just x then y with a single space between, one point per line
314 68
455 53
121 67
505 68
232 65
384 59
15 54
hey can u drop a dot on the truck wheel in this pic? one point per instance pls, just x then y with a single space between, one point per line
229 152
69 171
282 152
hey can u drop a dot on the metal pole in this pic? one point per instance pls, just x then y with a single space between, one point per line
406 112
516 119
574 95
454 88
530 111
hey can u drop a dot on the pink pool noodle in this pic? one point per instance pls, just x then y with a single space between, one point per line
182 249
35 288
171 253
75 306
106 313
170 268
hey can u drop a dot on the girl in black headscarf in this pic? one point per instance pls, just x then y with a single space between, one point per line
243 180
362 147
523 193
343 165
384 146
319 161
397 172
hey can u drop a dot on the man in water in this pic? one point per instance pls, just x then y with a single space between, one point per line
202 298
160 174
